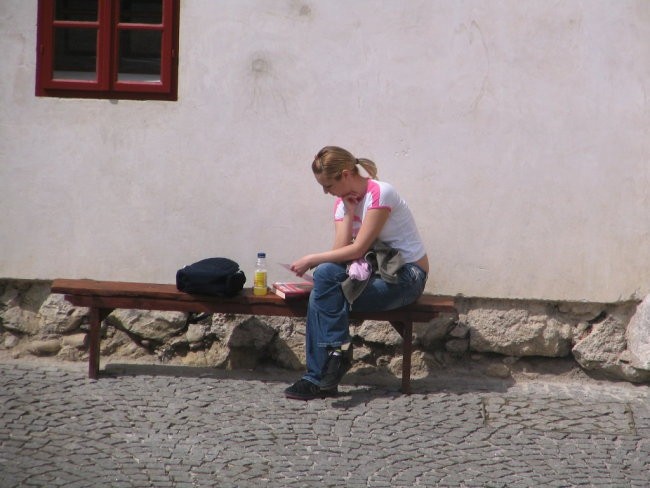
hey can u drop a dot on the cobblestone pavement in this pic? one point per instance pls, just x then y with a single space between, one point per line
185 427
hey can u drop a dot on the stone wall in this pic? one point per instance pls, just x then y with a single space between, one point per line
612 339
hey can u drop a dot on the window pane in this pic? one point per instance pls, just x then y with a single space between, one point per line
75 54
141 11
139 55
85 10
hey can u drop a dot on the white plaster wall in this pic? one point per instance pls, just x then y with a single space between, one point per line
517 130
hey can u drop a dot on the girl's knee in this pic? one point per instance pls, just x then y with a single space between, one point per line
328 271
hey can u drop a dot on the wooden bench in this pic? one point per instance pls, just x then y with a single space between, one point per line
102 297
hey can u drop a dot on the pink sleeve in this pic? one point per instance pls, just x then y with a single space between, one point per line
380 199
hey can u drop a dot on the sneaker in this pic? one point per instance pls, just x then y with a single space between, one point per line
306 390
338 363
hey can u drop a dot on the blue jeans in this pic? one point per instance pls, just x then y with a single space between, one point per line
327 314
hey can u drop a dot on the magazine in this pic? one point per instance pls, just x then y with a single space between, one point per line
289 290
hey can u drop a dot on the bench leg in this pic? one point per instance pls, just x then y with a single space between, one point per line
97 316
407 350
405 329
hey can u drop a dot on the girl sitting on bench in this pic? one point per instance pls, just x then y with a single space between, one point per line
369 215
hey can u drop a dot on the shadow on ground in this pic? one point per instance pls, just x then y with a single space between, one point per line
357 385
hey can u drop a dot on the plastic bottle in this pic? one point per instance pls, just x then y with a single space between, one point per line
259 283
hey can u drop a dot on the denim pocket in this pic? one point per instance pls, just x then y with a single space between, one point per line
412 280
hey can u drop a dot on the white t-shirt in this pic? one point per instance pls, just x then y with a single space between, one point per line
400 231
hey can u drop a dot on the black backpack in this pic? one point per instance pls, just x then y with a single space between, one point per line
212 276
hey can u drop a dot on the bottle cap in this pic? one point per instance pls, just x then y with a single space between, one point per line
261 254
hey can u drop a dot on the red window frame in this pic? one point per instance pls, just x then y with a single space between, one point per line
108 27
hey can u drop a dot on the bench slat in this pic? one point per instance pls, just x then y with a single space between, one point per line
136 295
147 303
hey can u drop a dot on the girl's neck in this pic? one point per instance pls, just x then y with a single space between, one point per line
360 184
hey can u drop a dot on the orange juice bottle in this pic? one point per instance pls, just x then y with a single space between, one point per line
260 286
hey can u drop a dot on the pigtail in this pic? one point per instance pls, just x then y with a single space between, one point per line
369 167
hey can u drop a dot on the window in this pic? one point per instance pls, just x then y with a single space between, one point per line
107 49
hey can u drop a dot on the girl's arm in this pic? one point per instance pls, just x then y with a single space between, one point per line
368 233
343 231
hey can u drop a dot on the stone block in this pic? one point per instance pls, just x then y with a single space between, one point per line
19 305
77 341
288 353
149 325
10 341
379 332
195 333
638 336
47 347
429 334
457 346
252 333
603 349
518 329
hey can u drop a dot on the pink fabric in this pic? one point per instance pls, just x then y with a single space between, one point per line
359 270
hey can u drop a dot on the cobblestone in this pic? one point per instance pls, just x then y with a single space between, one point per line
145 428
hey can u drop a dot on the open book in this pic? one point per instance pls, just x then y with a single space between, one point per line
290 290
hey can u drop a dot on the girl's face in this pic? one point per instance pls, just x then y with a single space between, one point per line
341 188
337 188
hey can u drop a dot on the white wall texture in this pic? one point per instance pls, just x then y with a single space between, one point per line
519 132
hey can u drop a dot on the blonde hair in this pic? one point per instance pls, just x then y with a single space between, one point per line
332 160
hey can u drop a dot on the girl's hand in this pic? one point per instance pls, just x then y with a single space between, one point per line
351 201
302 265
